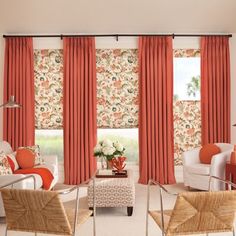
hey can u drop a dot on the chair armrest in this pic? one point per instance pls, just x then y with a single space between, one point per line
151 182
191 157
51 159
218 162
16 181
161 187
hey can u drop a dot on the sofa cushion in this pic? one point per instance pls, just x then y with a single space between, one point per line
199 169
207 151
25 158
5 168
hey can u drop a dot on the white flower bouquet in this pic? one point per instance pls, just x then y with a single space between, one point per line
108 149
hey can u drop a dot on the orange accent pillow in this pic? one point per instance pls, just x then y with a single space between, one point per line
207 151
11 163
25 158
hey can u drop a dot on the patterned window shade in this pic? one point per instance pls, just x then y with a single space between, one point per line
48 72
117 88
186 52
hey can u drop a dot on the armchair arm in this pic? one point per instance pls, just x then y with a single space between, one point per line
218 162
51 159
191 157
229 183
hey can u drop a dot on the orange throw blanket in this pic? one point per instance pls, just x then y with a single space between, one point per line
45 174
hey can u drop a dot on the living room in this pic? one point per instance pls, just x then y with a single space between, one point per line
134 116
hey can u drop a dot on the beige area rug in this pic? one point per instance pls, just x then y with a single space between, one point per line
114 221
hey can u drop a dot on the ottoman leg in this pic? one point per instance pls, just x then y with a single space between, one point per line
91 209
129 211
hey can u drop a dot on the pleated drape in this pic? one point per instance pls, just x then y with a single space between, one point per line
19 123
215 89
156 151
79 108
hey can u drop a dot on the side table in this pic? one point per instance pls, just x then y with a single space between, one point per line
230 173
113 192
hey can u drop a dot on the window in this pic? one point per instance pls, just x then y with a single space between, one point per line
50 142
127 137
187 116
187 77
117 96
48 74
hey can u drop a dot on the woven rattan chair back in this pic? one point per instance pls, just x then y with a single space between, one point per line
202 212
35 211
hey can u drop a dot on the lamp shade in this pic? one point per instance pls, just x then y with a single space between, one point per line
11 103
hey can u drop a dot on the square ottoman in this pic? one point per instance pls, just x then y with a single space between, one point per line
113 192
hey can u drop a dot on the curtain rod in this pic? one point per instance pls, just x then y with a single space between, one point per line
108 35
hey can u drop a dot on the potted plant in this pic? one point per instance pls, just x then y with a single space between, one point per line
106 150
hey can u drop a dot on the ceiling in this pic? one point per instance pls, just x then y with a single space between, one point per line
117 16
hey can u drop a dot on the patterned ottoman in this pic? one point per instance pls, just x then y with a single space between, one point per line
113 192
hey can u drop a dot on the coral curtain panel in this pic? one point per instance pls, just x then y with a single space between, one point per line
215 89
79 108
156 150
18 123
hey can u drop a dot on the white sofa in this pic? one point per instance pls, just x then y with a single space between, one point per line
51 163
196 175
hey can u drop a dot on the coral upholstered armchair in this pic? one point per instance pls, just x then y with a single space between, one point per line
196 174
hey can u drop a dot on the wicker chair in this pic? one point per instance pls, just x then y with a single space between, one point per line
195 212
43 212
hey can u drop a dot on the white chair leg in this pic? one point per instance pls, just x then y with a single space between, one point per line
233 232
147 225
6 232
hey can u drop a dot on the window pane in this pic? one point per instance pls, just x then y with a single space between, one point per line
50 142
187 78
187 115
127 137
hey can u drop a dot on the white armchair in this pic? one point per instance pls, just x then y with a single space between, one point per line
196 175
51 163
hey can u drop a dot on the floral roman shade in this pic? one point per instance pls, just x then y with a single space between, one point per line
48 72
117 88
187 127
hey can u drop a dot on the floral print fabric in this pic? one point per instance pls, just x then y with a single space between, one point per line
48 73
187 127
5 168
117 88
186 53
